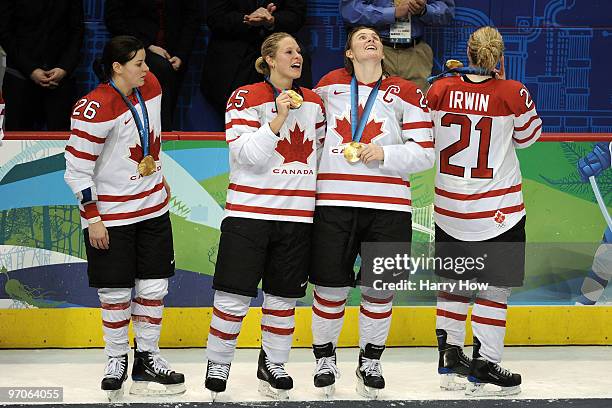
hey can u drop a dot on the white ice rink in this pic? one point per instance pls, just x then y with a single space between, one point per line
410 373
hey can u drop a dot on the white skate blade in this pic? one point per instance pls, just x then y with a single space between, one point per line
213 395
479 390
328 390
115 395
367 392
267 390
452 382
153 388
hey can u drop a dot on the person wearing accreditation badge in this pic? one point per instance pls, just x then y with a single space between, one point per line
378 133
480 119
274 131
113 167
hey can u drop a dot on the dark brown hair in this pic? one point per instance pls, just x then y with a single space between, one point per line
348 64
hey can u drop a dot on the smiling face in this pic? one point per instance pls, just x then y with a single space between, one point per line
133 72
288 60
364 45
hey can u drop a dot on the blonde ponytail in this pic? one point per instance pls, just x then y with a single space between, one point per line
485 47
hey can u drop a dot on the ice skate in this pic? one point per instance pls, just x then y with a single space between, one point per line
369 372
115 375
152 375
453 364
274 382
489 379
326 371
216 378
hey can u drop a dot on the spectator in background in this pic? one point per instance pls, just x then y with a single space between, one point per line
238 28
168 30
42 40
402 27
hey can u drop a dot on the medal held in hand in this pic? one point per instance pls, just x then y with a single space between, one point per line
296 99
147 165
353 149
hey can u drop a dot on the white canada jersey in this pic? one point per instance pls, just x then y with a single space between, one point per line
399 122
477 127
1 117
103 153
272 177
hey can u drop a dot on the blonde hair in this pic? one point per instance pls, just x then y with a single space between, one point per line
268 49
485 47
348 64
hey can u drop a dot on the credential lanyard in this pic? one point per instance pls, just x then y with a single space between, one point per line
358 124
144 135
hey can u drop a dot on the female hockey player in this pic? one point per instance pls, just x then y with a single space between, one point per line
378 133
479 121
273 130
113 167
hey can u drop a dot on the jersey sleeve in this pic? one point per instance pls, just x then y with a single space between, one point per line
1 117
417 151
320 130
87 137
527 122
250 141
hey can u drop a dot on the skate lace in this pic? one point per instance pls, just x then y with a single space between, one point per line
277 370
160 365
327 365
114 367
220 371
371 367
504 372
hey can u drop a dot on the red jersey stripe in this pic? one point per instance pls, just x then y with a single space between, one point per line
526 125
492 193
488 321
132 214
363 198
363 178
271 191
531 136
426 145
327 315
148 302
490 303
277 330
480 214
146 319
245 122
328 303
84 135
223 335
81 155
115 306
227 316
116 325
417 125
451 315
121 199
374 315
265 210
278 313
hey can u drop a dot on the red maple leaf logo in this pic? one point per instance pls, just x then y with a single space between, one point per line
371 130
136 153
499 217
295 148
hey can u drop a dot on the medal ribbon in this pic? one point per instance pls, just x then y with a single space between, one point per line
357 129
144 135
461 70
277 91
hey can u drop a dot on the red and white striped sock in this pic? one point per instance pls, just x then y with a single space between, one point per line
228 312
451 312
489 321
328 314
374 316
277 326
115 303
147 311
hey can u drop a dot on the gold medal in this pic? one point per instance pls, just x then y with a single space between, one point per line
146 167
453 63
296 99
352 151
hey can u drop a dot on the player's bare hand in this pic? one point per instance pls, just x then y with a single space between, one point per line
372 152
283 104
176 63
159 51
98 235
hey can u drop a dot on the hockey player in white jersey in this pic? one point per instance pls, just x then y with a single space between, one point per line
113 167
479 121
273 130
594 284
378 133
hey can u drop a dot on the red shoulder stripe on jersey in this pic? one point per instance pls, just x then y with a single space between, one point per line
233 140
417 125
363 178
148 302
363 198
271 191
84 135
375 315
491 193
91 210
238 122
115 306
488 321
327 315
451 315
526 125
121 199
328 303
377 300
222 335
479 214
531 136
453 297
116 325
426 145
271 211
81 155
278 313
277 330
490 303
132 214
146 319
227 316
318 125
